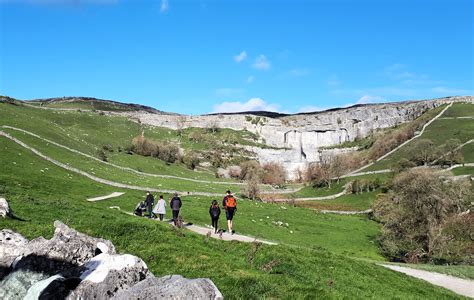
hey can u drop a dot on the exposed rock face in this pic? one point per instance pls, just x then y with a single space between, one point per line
72 265
299 137
4 208
171 287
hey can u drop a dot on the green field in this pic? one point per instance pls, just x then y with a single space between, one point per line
40 193
319 255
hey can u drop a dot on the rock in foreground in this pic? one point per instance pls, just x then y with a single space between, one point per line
72 265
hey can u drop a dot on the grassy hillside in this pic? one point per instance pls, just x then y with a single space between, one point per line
451 124
41 193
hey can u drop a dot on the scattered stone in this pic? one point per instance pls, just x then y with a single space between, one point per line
4 208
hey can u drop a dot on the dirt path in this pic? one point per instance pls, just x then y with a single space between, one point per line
209 232
460 286
113 195
226 236
404 143
288 191
346 212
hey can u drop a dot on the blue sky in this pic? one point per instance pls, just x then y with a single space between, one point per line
203 56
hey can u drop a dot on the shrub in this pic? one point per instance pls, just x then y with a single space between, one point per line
191 160
273 173
108 148
166 152
251 189
419 210
423 151
364 185
102 156
251 169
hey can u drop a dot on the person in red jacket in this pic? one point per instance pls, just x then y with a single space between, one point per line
230 206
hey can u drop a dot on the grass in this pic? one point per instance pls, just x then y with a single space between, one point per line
89 131
468 152
350 202
463 171
239 270
460 110
438 132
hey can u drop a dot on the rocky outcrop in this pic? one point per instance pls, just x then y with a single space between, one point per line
72 265
297 139
5 210
171 287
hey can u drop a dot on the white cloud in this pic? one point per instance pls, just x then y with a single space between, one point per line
164 6
240 57
262 63
298 72
370 99
250 79
254 104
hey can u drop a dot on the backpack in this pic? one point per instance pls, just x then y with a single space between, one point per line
231 203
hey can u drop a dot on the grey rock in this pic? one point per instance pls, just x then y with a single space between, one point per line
72 265
12 245
171 287
5 210
106 274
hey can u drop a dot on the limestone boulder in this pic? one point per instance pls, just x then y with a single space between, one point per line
5 210
171 287
12 245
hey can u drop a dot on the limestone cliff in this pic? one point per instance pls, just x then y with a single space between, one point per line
297 139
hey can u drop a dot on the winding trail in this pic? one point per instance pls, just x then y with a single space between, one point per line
404 143
97 179
464 287
288 191
113 195
208 231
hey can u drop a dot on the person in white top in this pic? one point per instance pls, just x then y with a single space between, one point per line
160 208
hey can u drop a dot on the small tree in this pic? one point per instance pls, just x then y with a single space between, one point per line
451 152
251 169
423 151
251 189
274 174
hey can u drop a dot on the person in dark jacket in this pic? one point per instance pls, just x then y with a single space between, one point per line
149 201
215 212
175 205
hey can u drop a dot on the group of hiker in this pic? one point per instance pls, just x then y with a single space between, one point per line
229 203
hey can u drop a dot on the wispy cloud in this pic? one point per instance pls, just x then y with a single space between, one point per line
333 81
299 72
370 99
253 104
164 6
250 79
240 57
228 92
262 63
309 108
451 91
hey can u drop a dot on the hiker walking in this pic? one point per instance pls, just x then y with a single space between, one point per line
215 212
175 205
149 201
230 206
160 208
